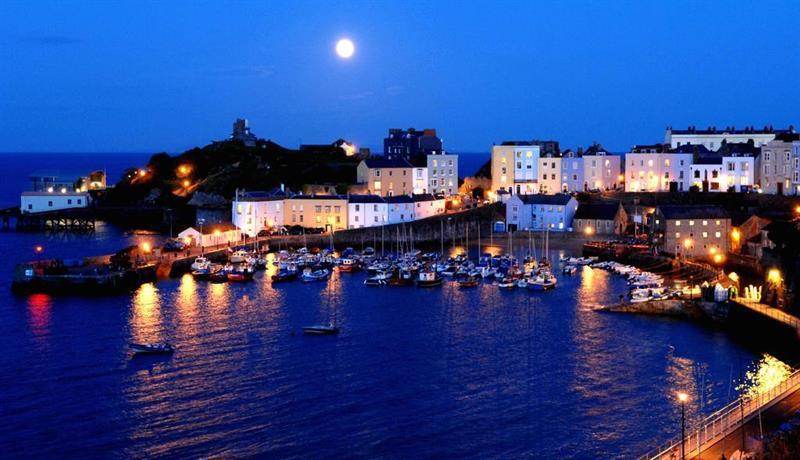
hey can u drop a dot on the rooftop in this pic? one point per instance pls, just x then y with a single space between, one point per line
692 130
597 211
387 163
693 212
399 199
560 199
365 199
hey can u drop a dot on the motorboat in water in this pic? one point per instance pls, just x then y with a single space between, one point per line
380 279
542 282
239 257
310 275
321 329
429 279
151 348
468 282
570 269
200 263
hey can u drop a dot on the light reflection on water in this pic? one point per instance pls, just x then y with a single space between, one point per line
503 373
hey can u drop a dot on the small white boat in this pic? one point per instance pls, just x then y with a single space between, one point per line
315 275
152 348
570 269
200 263
239 257
543 282
323 329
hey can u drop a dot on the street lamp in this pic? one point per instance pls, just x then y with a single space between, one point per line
682 398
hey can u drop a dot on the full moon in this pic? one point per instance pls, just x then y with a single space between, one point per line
345 48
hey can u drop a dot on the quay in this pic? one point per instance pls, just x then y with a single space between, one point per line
77 219
736 427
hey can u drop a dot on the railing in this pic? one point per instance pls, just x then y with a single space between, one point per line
725 421
774 313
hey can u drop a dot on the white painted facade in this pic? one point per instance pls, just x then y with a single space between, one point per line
539 212
571 173
738 172
710 174
550 174
776 168
212 235
653 172
420 179
33 202
400 209
515 168
443 174
712 138
367 212
427 206
253 215
601 171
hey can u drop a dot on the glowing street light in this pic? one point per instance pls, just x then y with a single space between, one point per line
682 398
142 172
186 183
147 247
184 170
719 258
774 276
38 249
588 231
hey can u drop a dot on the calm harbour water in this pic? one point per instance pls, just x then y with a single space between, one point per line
415 373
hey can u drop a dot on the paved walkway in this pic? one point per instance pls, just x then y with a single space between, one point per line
772 312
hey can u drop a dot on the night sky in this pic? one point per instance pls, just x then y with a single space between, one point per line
150 76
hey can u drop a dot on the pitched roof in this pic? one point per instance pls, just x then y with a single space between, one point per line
699 149
560 199
399 199
423 197
318 197
261 196
387 163
693 212
597 211
365 199
210 229
708 160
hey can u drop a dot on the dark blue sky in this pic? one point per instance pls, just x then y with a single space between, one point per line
147 76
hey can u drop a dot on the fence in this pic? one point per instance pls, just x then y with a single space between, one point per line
773 313
725 421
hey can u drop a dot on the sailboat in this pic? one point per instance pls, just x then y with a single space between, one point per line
324 329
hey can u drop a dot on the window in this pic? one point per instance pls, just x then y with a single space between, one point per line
677 223
691 223
319 219
69 201
697 174
327 209
717 234
50 203
377 173
30 206
705 234
79 201
705 222
337 209
318 208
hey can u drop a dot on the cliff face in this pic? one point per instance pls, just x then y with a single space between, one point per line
218 169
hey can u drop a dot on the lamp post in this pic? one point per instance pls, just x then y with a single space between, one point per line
683 397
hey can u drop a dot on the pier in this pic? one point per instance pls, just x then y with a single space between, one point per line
721 432
770 312
77 219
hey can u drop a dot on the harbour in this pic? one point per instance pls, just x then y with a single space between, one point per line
427 338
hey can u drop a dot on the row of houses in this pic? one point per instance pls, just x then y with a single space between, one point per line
730 159
434 173
253 212
521 167
682 230
563 213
